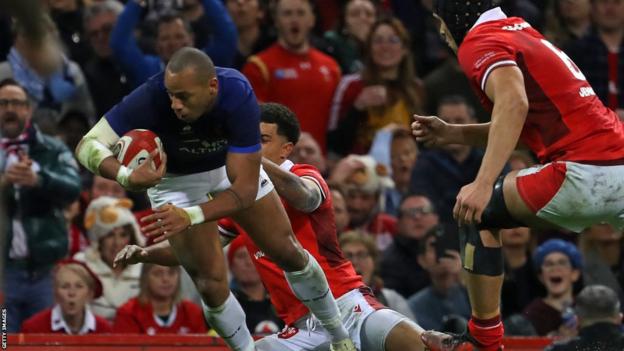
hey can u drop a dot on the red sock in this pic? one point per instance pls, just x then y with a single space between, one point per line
487 332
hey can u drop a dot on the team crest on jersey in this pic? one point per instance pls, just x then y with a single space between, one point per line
357 309
288 332
259 254
286 73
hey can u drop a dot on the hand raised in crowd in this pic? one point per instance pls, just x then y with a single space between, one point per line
451 261
131 254
167 221
345 168
21 173
371 96
431 130
145 176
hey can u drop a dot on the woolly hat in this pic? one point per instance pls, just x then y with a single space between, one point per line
370 179
558 245
107 213
236 244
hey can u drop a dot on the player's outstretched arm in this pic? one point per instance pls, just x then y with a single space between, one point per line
433 132
160 253
300 193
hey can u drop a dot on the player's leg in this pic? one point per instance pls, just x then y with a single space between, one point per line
388 330
199 251
482 258
267 224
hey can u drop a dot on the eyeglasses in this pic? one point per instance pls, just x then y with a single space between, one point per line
4 103
414 211
359 255
393 39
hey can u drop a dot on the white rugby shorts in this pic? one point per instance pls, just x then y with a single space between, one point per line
368 328
197 188
574 195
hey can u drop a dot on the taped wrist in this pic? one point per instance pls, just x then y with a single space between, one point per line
123 176
196 215
476 258
92 153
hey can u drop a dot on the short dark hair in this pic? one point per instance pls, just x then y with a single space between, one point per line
457 100
285 118
172 16
195 59
596 302
10 81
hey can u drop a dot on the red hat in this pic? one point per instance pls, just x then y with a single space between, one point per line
234 246
97 283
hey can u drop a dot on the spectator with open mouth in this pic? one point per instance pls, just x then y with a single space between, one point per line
559 265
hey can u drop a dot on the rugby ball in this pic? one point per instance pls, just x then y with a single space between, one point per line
134 148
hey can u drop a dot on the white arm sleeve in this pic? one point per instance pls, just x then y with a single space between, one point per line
96 145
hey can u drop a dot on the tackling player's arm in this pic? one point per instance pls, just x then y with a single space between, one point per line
505 87
299 192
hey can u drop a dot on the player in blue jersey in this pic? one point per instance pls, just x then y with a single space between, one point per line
207 119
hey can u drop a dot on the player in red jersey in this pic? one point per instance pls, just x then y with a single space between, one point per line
539 98
307 200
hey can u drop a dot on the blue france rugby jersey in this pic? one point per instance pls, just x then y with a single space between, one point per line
233 124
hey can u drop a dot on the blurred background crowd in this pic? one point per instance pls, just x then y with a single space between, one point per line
354 72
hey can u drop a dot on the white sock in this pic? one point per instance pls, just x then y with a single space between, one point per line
311 288
228 320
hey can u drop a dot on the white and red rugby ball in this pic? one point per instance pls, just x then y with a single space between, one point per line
134 148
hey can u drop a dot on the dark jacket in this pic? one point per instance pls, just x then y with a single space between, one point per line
450 177
602 336
40 208
400 269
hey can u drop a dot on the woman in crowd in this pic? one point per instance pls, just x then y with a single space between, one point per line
386 91
346 44
75 287
362 251
110 227
568 20
159 308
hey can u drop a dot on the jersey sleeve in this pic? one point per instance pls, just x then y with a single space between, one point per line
484 53
311 173
244 122
227 228
136 110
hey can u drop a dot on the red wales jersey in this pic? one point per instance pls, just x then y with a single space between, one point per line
566 121
316 232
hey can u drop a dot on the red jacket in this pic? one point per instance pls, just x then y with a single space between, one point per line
134 317
42 323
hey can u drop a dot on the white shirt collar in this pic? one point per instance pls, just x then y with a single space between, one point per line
58 322
170 319
490 15
287 165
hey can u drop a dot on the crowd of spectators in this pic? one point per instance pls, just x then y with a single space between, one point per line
354 72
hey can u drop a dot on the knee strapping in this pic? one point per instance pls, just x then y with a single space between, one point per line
476 258
496 214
